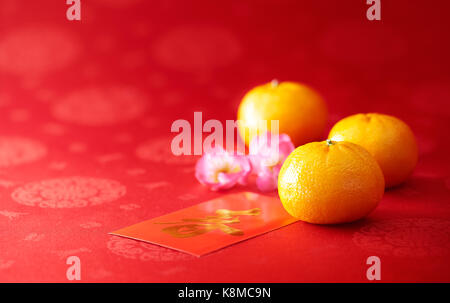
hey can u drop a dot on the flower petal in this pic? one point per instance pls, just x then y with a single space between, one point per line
269 150
219 169
267 182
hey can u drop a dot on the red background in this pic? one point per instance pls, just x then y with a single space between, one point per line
97 98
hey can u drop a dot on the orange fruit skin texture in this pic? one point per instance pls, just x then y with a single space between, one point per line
330 184
387 138
301 112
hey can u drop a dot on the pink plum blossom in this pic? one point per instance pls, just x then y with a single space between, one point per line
267 155
219 169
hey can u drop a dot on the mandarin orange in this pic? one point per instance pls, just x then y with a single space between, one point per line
301 112
390 141
330 182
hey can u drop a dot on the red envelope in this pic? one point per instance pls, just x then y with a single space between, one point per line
212 225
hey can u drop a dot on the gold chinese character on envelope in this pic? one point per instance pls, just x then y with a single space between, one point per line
224 217
211 225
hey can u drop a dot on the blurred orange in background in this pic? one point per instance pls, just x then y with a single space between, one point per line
301 111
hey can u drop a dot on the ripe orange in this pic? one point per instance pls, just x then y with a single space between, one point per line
301 111
330 182
387 138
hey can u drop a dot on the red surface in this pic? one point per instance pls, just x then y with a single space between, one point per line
96 98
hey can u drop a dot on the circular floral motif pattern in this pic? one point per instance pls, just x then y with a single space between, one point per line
159 150
197 48
132 249
94 107
37 50
17 150
406 237
69 192
4 264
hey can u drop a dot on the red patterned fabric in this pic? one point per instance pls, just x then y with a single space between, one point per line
86 109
